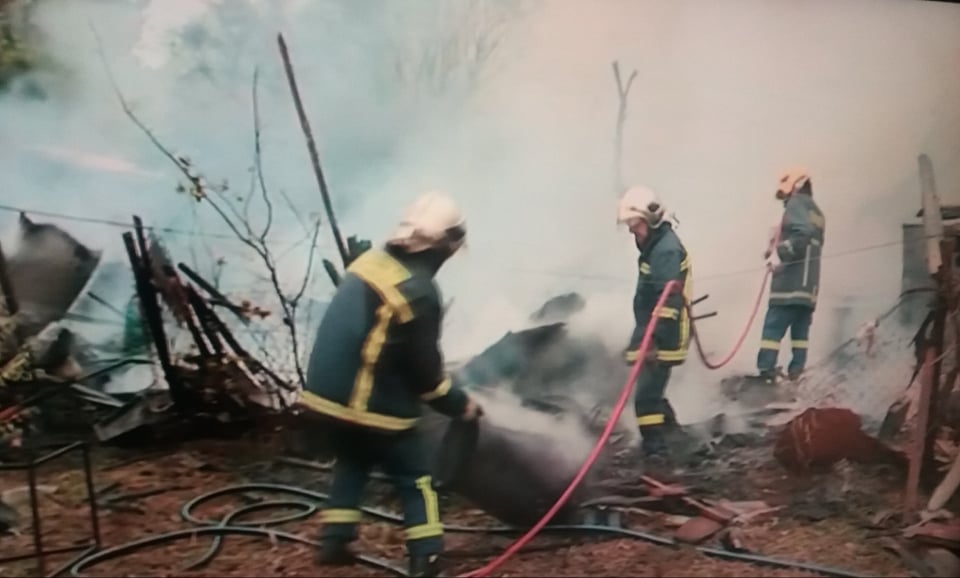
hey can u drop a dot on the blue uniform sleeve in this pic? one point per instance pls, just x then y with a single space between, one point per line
796 231
423 362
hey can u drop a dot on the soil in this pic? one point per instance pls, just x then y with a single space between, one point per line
824 519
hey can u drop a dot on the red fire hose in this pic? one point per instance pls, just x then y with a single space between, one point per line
774 241
743 334
594 454
615 416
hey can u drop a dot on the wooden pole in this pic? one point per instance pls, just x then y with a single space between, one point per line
312 149
919 435
932 217
930 376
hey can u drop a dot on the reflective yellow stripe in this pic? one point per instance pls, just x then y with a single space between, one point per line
335 516
363 383
318 404
439 391
685 264
644 268
770 344
432 526
672 355
794 295
383 273
801 344
652 419
668 313
424 531
630 356
684 312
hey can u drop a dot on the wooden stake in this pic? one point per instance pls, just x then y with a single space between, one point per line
919 435
312 149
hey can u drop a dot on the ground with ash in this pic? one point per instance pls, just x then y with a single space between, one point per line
828 519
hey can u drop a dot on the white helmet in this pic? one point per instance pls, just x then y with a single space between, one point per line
432 220
639 202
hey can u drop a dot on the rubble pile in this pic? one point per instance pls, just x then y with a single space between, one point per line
38 355
217 381
51 380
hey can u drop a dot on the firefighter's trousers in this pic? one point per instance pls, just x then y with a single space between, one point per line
654 413
797 319
402 458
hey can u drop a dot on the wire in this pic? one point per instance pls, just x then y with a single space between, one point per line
582 276
110 222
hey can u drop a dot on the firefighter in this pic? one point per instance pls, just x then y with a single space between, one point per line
662 259
375 358
794 258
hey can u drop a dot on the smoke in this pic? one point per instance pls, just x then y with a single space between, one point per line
726 94
571 441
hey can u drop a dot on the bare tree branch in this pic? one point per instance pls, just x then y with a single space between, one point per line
239 225
259 159
306 276
623 92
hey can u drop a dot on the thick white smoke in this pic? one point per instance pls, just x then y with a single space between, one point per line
726 94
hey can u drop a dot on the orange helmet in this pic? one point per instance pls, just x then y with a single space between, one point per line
791 180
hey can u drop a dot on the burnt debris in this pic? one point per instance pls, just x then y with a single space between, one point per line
218 383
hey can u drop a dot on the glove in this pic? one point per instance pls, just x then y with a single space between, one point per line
473 410
773 262
651 356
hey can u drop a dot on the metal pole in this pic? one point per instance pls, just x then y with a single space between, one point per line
35 511
91 494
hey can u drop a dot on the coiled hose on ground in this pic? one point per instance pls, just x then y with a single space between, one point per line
309 503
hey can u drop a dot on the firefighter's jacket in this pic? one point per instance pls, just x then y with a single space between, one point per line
376 355
662 259
797 280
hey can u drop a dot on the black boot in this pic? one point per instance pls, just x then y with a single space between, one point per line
425 566
657 461
768 377
653 440
333 553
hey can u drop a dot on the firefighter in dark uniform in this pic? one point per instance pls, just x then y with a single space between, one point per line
375 359
662 259
794 257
